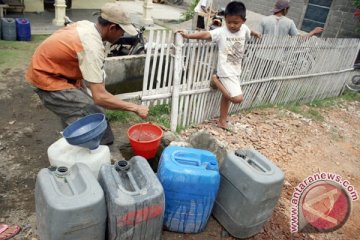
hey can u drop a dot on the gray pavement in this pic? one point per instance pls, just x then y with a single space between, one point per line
164 16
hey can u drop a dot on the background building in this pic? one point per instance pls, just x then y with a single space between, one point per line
336 16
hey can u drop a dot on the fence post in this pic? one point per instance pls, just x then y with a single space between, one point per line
176 84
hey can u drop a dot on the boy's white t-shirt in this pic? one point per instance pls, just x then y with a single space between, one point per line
231 49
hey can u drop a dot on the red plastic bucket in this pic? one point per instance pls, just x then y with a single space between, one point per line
145 139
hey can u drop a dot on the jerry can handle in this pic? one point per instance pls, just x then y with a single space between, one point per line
254 164
185 158
123 166
62 172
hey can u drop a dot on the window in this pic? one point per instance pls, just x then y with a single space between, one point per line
316 14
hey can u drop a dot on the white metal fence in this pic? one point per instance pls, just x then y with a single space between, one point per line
275 70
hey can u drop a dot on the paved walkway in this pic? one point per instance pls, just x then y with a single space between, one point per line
164 16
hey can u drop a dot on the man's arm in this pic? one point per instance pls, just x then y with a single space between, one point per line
204 35
105 99
314 31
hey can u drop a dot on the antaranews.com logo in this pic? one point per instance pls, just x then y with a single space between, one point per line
321 203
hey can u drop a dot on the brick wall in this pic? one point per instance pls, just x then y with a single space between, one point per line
264 7
340 22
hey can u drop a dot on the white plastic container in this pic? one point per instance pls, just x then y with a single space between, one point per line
61 153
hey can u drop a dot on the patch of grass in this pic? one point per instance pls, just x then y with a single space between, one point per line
159 114
349 95
314 115
121 116
305 110
18 53
190 11
328 102
293 107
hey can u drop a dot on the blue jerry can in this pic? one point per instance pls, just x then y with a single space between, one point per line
190 178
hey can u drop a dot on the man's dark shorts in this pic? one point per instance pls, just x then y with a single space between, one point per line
72 104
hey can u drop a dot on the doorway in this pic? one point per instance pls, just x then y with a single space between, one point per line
49 4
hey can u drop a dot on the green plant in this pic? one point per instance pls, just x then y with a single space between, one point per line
159 114
350 95
121 116
190 11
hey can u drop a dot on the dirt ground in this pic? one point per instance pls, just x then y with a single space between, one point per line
298 145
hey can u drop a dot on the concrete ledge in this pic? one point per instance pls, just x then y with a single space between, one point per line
124 68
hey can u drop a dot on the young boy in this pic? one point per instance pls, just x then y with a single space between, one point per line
231 43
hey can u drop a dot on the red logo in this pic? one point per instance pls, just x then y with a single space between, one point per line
326 206
140 215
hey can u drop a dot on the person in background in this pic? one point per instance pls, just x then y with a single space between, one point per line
201 10
230 39
75 54
280 25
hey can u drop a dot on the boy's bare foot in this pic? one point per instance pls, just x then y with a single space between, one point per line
225 126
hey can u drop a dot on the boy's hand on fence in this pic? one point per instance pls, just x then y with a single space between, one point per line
183 33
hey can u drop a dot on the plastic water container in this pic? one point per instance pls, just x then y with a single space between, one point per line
61 153
250 188
135 200
191 179
23 29
70 204
8 29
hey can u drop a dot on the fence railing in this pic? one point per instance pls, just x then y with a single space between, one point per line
275 70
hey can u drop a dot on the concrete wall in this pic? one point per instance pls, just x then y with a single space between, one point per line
264 7
34 5
89 4
341 22
120 69
38 5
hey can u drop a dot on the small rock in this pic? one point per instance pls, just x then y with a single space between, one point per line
28 131
12 122
180 144
169 137
337 163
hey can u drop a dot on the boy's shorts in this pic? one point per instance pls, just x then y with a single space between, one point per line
232 84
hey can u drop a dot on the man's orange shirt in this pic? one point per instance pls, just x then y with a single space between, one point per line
68 56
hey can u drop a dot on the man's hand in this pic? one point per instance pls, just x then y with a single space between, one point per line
142 111
255 34
314 32
318 30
